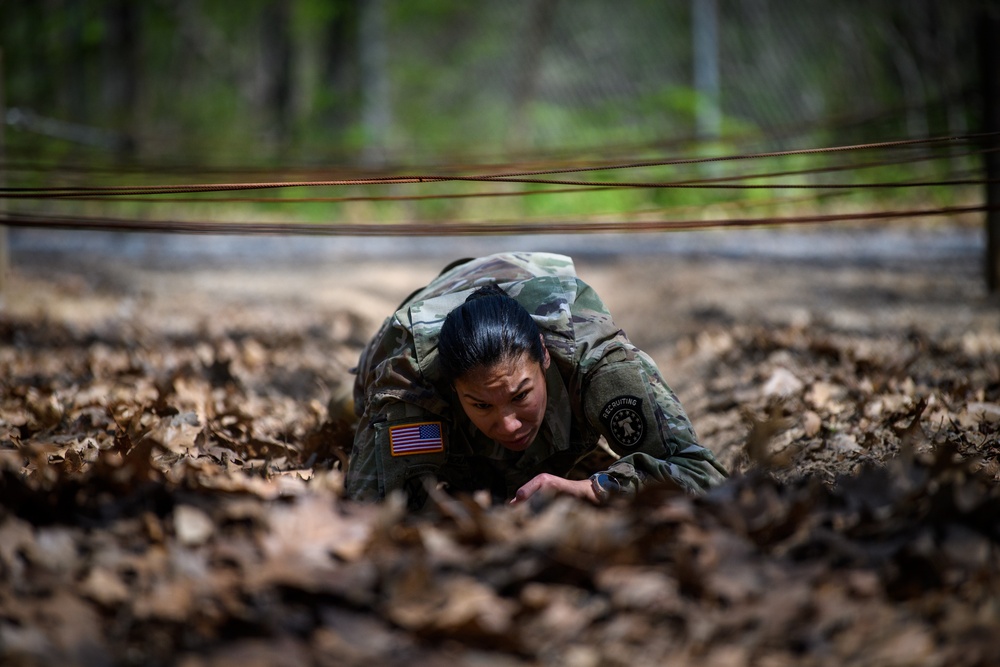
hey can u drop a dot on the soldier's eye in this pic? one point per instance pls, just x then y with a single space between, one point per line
520 397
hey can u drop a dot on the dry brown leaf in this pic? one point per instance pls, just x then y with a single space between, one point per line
762 431
978 412
177 433
104 587
192 526
640 588
811 423
782 383
472 607
312 532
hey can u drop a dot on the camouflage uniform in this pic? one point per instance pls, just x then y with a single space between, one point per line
598 384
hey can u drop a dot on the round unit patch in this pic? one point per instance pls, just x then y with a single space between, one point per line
623 418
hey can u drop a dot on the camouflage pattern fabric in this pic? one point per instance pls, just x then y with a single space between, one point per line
598 384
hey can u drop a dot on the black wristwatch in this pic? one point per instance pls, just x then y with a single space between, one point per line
605 486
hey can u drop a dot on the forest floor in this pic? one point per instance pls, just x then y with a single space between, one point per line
170 474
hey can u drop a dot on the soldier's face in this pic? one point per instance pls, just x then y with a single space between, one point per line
507 401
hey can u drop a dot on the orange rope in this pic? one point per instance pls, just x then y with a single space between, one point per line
519 193
513 177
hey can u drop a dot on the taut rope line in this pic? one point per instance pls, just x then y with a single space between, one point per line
452 228
515 177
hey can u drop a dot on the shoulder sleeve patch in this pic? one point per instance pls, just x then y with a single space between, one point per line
623 418
419 438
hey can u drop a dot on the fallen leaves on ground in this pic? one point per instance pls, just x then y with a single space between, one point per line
176 499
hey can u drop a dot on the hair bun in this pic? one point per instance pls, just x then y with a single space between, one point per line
486 290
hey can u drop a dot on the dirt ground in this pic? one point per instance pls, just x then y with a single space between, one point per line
170 476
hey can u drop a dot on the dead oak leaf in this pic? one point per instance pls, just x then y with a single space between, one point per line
762 432
311 531
176 433
104 587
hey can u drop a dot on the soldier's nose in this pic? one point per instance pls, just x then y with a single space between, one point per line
510 424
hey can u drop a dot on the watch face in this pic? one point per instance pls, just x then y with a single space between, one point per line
623 418
607 482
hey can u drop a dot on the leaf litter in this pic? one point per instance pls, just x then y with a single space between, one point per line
175 497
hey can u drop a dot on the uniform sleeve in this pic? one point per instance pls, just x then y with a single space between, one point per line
362 479
402 438
399 447
627 399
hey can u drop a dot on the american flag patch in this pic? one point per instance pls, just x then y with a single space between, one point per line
424 438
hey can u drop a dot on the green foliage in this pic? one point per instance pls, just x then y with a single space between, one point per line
198 84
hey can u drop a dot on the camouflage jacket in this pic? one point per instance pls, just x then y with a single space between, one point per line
412 427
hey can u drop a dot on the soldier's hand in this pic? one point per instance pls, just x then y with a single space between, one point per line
552 485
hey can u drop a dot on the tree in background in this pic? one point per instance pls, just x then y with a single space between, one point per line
383 81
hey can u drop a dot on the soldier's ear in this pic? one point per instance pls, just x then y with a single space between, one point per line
546 359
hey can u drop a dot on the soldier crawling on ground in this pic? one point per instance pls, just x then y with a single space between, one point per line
502 374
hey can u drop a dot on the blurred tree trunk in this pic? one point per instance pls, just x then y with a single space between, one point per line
120 84
705 34
44 88
74 104
376 112
340 62
276 52
898 36
541 16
